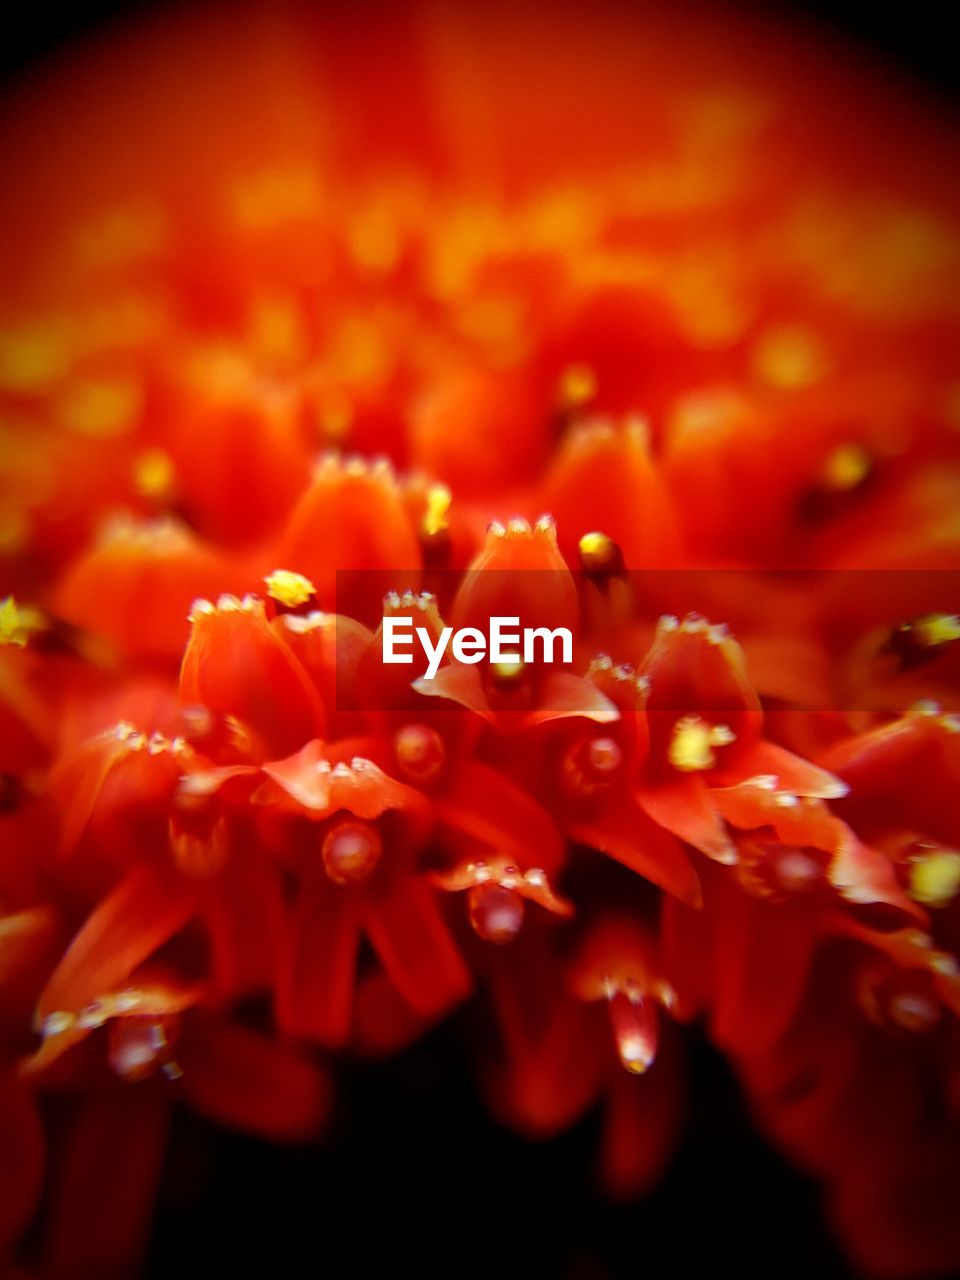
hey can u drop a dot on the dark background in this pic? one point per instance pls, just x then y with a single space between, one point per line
918 37
416 1180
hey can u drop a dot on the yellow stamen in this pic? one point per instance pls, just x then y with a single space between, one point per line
599 553
18 622
935 878
578 386
935 629
691 748
846 467
289 589
153 475
507 671
438 504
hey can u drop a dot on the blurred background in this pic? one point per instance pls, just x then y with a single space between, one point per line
915 38
415 1177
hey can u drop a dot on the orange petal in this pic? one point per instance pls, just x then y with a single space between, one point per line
792 772
361 787
352 518
137 587
460 684
564 695
519 573
136 918
237 665
603 478
685 807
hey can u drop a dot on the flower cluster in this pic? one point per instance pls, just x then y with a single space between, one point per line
697 403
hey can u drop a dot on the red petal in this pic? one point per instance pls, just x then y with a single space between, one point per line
318 961
237 665
499 870
329 647
360 787
21 1159
604 479
137 588
620 828
243 913
685 808
520 573
640 1125
352 518
105 1184
487 807
120 780
565 695
548 1071
246 1082
792 772
29 944
864 875
694 667
142 913
460 684
761 957
409 934
384 1023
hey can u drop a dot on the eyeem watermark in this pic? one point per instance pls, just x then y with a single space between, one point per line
470 644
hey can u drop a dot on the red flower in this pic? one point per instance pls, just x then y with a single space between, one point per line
310 333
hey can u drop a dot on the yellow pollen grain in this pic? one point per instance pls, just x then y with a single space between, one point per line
691 747
18 622
597 550
288 588
508 669
790 356
438 504
846 467
935 879
100 408
936 629
578 386
154 475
